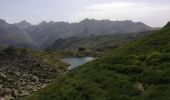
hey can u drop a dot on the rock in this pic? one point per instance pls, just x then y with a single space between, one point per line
7 97
81 49
35 79
140 87
1 86
24 93
15 92
8 91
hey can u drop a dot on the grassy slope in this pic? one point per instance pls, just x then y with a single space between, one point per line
137 71
97 42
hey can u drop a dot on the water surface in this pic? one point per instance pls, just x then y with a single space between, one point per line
75 62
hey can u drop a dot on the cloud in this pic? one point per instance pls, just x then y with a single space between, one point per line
137 11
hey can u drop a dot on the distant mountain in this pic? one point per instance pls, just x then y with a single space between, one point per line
46 33
11 35
23 24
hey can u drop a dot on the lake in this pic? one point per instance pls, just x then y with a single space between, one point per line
75 62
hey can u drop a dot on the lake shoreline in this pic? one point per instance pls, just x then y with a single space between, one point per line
76 61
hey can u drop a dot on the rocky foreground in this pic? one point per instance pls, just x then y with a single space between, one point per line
21 74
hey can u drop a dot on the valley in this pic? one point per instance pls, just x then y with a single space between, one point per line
138 70
84 50
83 63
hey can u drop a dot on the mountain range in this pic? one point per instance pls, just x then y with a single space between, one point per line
131 61
44 35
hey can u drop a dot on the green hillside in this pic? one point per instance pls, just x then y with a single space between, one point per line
139 70
99 42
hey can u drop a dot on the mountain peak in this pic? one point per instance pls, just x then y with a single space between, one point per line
23 24
86 20
2 21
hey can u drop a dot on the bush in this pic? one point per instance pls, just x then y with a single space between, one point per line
130 69
153 58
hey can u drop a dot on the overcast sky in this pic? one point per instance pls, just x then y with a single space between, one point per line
152 12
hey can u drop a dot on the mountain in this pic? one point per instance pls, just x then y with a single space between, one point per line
46 33
23 24
11 35
139 70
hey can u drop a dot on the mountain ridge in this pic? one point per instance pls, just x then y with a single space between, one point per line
23 24
45 33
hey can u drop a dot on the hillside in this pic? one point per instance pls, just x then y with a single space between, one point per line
99 43
11 35
139 70
46 33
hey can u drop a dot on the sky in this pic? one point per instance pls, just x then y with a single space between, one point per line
155 13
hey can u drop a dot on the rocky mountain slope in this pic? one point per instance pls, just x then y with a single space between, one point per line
23 71
139 70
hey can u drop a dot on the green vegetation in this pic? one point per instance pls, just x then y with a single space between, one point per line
98 42
139 70
76 52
